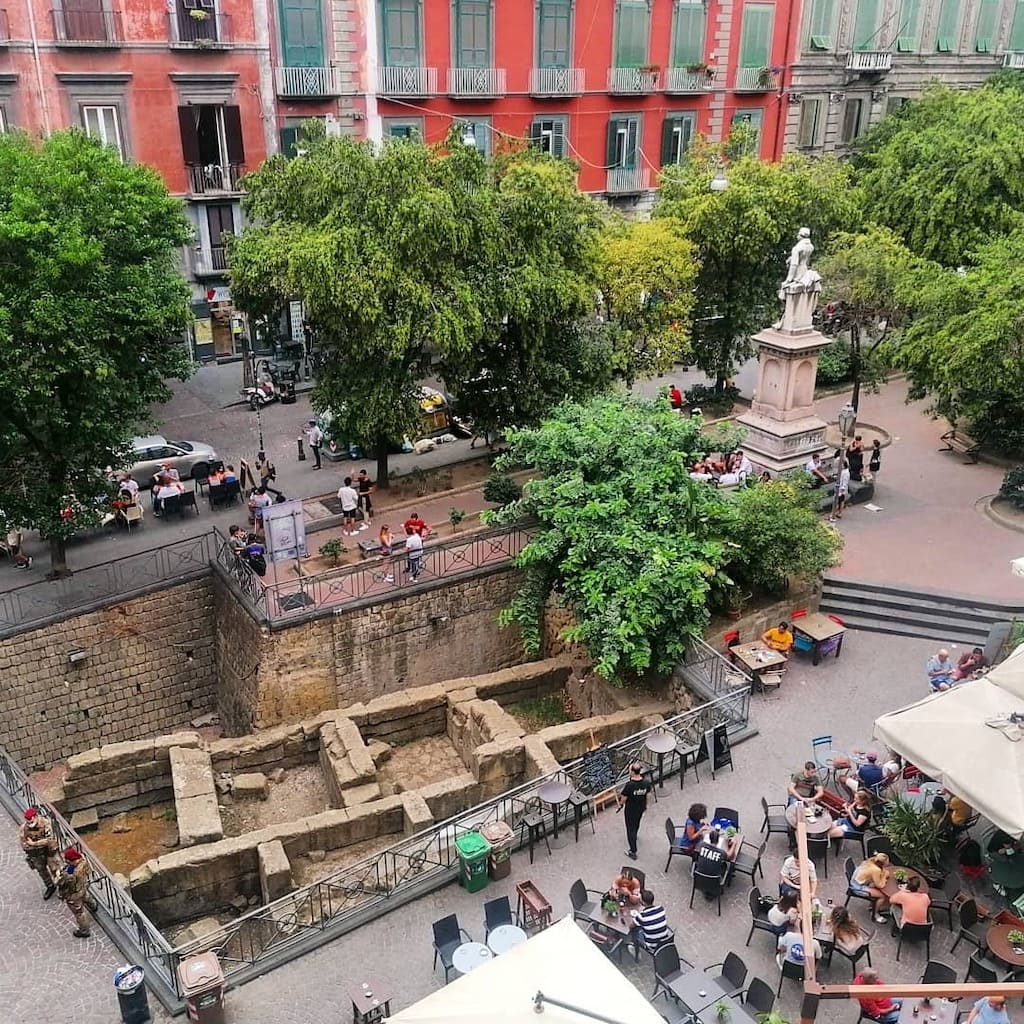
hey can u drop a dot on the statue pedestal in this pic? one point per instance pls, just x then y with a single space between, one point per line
782 429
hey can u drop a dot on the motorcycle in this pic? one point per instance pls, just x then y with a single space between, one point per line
262 394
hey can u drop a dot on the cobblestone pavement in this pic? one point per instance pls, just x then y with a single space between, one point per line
44 966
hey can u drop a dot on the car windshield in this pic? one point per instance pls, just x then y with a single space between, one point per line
183 445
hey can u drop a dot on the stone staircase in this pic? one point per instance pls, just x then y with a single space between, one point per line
880 608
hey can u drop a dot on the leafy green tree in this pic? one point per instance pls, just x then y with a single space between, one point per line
647 273
92 307
743 236
946 173
964 345
863 275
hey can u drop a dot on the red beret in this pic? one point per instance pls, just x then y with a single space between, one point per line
72 854
30 813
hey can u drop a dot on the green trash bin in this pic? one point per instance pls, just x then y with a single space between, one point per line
473 851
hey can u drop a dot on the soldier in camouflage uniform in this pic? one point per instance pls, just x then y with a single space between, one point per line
73 883
40 846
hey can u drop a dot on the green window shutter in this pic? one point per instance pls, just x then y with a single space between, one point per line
949 17
988 22
909 26
632 27
821 24
689 26
676 133
554 33
558 131
473 33
302 34
756 35
1017 28
810 115
865 25
289 138
622 140
400 33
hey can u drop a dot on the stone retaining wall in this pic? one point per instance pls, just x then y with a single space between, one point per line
572 740
195 797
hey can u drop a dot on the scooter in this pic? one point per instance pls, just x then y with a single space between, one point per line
262 394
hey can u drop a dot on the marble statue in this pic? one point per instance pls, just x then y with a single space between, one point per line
799 291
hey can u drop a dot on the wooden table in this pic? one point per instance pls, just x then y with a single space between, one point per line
819 826
371 1001
941 1011
999 945
820 630
892 886
758 657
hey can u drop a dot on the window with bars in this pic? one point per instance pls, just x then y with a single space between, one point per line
473 33
908 28
987 26
103 123
400 37
550 134
632 29
949 20
676 133
821 24
1016 43
853 120
623 142
756 35
554 33
809 135
689 27
865 25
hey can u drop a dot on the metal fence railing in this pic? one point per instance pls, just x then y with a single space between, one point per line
708 675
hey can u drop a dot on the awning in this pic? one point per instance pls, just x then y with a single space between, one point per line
964 739
561 962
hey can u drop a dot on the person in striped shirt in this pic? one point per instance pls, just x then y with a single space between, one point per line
650 925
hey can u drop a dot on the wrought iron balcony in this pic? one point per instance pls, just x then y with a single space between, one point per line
210 262
211 32
87 27
632 81
679 80
624 181
214 179
869 61
756 80
308 83
480 82
1013 60
557 81
396 81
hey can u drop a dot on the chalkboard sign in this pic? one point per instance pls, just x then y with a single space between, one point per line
598 771
714 747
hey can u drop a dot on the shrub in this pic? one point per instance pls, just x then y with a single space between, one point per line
333 549
455 516
702 396
501 489
834 363
1012 489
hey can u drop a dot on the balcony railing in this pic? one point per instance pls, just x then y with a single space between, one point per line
5 29
624 181
310 83
205 179
1013 60
632 81
210 261
756 80
395 81
211 32
476 82
869 60
679 80
557 81
81 27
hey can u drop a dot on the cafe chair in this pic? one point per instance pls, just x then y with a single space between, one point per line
759 997
710 885
759 918
673 1012
726 814
667 968
980 968
610 944
818 848
687 752
821 746
749 864
855 894
774 819
583 909
914 933
133 514
878 844
790 970
639 947
448 936
862 952
731 639
583 809
944 895
496 913
532 823
938 973
968 925
732 976
674 834
631 872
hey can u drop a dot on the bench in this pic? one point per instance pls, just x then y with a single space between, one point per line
371 547
959 442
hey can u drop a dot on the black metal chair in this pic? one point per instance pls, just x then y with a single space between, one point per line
855 894
667 967
980 968
749 864
673 1012
639 947
944 895
860 953
630 872
914 933
854 837
968 922
727 814
758 917
532 823
583 809
687 753
674 849
732 976
759 997
790 970
878 844
818 849
187 500
166 507
774 823
938 973
710 885
448 936
610 943
583 908
496 913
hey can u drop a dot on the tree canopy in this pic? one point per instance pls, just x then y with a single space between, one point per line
91 310
639 552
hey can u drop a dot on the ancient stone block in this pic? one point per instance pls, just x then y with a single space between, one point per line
198 820
450 796
250 785
118 755
85 821
539 759
275 871
360 794
409 702
417 813
191 773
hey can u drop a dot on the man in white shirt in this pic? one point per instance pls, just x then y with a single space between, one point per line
128 484
314 438
813 466
169 489
842 492
414 552
258 502
349 498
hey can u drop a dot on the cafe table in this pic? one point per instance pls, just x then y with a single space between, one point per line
738 1013
661 742
371 1000
825 634
816 826
997 938
758 657
554 792
505 937
696 990
892 886
470 955
939 1011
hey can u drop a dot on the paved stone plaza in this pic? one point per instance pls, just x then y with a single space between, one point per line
45 967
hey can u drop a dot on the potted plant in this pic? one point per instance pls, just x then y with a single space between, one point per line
333 549
731 831
198 15
455 517
722 1009
766 76
916 839
900 875
772 1017
1016 939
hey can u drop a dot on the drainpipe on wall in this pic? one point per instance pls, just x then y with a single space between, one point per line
44 103
261 20
374 125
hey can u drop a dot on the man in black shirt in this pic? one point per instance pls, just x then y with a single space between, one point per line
711 860
633 801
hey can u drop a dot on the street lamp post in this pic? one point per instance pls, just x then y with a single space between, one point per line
847 418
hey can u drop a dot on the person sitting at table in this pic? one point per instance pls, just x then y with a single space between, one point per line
856 817
958 812
625 887
806 785
884 1010
650 924
701 471
791 946
782 914
694 829
989 1010
846 933
127 484
870 879
230 476
216 477
789 876
937 814
940 671
779 638
711 860
970 664
168 489
869 775
912 902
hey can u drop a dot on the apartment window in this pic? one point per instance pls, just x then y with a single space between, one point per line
821 25
102 122
400 33
473 33
211 142
756 35
895 103
753 119
689 25
549 135
302 34
403 128
293 136
83 20
949 19
907 38
810 124
554 33
676 133
853 120
197 19
220 222
623 142
987 26
865 25
632 29
1017 28
480 130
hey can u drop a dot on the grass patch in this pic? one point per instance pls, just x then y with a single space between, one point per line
539 713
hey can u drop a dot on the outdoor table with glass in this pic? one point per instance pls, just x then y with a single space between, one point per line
825 634
470 955
997 938
892 886
817 825
661 743
737 1014
696 990
758 657
937 1011
505 937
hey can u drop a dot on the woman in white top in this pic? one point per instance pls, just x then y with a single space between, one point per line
783 913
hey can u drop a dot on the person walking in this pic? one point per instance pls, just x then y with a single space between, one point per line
349 498
875 458
414 553
40 846
73 883
267 473
365 486
842 492
633 802
314 438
